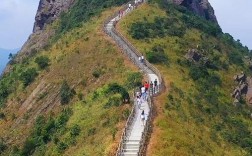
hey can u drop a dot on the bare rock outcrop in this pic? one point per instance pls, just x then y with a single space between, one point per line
201 7
193 55
48 11
196 56
242 88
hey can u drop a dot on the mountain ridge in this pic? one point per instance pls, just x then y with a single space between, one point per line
84 69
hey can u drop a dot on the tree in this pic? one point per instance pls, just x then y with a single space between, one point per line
28 76
66 93
42 61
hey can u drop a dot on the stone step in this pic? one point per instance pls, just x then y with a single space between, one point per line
132 145
133 141
130 150
130 154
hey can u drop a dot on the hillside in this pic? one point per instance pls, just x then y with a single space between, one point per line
67 98
196 114
66 92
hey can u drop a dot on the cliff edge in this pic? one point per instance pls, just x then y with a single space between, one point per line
48 11
201 7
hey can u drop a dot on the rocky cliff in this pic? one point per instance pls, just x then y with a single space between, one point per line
48 11
201 7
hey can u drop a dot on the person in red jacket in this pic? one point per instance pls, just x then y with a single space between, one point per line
146 86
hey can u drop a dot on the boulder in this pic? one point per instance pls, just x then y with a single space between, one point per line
244 88
236 102
236 92
240 78
193 55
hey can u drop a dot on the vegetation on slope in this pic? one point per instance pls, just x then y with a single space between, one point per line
83 10
195 115
70 98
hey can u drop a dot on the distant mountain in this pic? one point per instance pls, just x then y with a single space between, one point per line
4 54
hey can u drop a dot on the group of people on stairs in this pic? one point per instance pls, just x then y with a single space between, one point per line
142 96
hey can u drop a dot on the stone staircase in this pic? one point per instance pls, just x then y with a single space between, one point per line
133 138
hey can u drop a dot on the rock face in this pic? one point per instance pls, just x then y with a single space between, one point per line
48 11
243 88
193 55
200 7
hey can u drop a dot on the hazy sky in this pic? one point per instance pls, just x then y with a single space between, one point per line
17 18
235 17
16 22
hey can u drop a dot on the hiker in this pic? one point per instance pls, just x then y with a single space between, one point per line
155 86
151 87
146 86
139 102
142 59
129 7
143 93
142 117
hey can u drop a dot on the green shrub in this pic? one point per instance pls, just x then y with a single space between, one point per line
62 146
238 133
80 96
2 115
12 58
82 11
28 76
235 58
3 147
198 71
97 73
115 100
29 147
42 61
75 130
134 79
46 130
161 27
157 55
66 93
114 88
193 21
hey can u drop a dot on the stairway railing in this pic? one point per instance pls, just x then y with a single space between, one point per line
118 37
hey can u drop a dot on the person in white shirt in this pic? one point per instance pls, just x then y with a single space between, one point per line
142 59
143 91
139 102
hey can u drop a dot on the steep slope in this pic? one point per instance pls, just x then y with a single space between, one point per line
202 8
196 115
67 99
